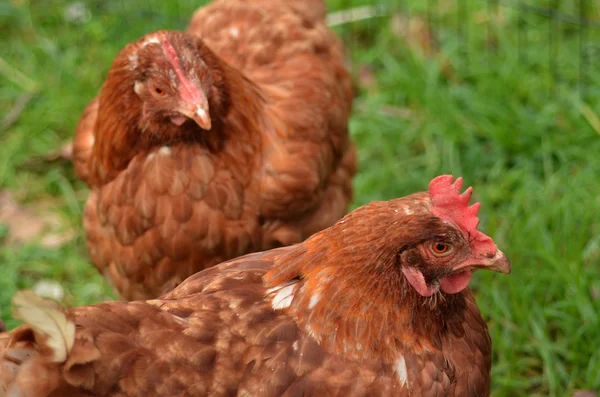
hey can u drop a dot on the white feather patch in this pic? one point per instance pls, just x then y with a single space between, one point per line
165 151
150 40
138 87
312 333
284 294
150 157
401 371
314 300
48 319
133 59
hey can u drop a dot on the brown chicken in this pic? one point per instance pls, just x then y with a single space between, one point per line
199 150
376 305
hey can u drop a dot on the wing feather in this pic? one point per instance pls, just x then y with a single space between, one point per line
52 327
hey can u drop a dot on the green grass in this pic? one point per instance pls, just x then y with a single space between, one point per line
486 108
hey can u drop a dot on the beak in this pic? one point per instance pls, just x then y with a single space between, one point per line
498 263
199 113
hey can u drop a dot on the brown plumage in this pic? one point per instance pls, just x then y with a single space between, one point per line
376 305
199 150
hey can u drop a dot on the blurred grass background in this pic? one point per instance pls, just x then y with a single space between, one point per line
506 96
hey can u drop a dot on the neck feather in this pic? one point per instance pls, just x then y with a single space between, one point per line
370 314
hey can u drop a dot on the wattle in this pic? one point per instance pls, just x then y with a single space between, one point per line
456 282
178 120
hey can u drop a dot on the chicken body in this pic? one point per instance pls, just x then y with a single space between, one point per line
336 315
268 163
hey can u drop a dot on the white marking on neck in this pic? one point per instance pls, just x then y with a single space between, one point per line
150 40
401 371
312 333
165 151
138 87
284 294
235 32
133 59
314 300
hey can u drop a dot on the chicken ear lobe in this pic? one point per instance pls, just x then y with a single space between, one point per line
416 279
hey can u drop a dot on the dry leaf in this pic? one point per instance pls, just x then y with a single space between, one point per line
594 292
366 78
395 111
53 240
415 31
497 17
77 13
49 289
418 35
585 393
14 113
49 321
355 14
63 154
25 224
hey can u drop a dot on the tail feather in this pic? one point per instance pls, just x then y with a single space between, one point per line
54 332
29 354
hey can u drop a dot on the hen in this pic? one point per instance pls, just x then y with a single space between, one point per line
207 145
376 305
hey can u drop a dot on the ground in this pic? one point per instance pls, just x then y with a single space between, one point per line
498 94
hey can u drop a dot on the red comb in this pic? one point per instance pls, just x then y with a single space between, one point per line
449 204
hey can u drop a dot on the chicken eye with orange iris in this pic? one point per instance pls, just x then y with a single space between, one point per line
441 249
159 91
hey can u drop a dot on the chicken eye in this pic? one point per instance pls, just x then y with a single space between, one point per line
441 249
159 91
